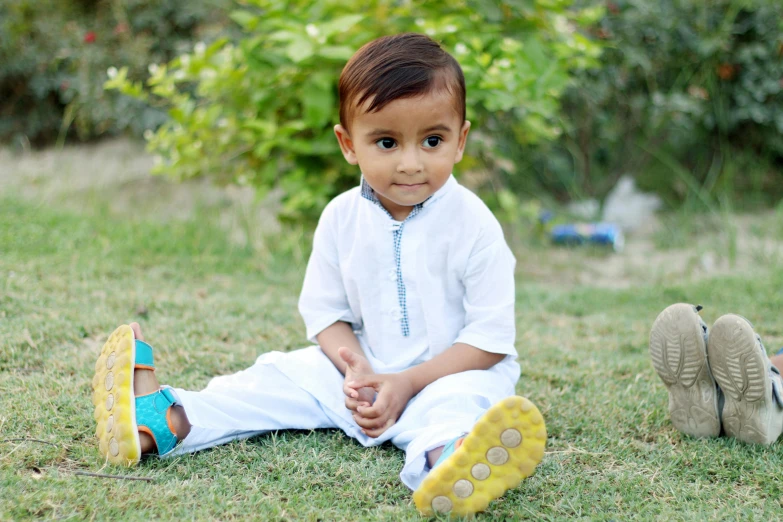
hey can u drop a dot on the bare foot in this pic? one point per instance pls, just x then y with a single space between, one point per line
145 382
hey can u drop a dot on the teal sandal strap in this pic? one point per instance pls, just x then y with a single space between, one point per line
152 413
144 355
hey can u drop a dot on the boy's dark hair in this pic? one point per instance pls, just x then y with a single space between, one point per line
398 66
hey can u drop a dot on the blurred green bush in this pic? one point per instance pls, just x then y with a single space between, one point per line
260 111
54 55
688 98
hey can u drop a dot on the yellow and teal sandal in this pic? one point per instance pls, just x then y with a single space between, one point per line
504 447
119 414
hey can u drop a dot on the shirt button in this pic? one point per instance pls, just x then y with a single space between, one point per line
395 314
393 274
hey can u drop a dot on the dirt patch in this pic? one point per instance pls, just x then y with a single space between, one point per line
114 175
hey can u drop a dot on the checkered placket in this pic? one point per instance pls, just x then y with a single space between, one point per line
397 227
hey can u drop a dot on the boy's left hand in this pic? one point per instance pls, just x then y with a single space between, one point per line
394 391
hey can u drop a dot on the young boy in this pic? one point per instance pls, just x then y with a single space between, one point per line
408 293
717 377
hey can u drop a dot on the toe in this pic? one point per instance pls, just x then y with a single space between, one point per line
137 331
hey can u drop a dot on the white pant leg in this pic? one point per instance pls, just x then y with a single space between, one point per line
247 403
442 411
263 398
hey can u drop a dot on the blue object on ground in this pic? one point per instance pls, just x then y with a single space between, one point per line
589 233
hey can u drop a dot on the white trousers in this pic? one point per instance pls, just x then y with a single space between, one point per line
303 390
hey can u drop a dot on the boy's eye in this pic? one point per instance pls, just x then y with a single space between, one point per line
432 141
385 143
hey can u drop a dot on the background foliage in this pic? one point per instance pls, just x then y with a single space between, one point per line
54 55
261 111
688 98
565 96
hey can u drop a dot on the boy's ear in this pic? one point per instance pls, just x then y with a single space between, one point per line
463 139
346 144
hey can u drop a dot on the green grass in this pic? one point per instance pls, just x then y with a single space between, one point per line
68 277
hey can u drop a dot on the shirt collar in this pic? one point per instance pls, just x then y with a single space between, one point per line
369 194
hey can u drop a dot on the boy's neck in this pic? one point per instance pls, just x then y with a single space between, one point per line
398 212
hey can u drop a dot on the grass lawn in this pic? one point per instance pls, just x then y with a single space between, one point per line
70 273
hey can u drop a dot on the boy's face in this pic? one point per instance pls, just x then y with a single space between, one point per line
407 150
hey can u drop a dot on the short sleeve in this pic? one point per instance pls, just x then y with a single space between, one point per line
489 299
323 300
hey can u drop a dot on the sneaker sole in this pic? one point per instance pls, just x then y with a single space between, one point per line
504 447
679 357
113 398
741 371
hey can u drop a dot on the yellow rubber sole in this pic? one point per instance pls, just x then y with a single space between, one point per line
504 447
113 398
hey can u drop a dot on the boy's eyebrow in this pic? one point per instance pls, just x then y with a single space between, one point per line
438 127
387 132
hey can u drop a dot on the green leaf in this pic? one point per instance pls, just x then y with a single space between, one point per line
318 103
263 149
267 129
300 50
292 127
339 25
247 20
335 52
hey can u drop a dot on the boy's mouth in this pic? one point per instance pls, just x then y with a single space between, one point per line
409 186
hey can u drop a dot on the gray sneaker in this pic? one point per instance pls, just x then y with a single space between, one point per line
678 348
754 410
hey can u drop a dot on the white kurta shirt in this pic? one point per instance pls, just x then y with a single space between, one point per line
412 289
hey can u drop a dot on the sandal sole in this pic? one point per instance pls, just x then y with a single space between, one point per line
740 369
114 399
679 357
504 447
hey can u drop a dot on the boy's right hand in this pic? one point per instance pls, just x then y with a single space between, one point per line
356 365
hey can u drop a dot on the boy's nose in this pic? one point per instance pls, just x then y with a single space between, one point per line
410 162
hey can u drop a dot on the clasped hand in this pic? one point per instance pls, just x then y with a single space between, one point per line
376 399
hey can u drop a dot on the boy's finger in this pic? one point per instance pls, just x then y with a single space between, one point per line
347 356
354 404
347 390
365 381
368 424
370 412
379 431
350 391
